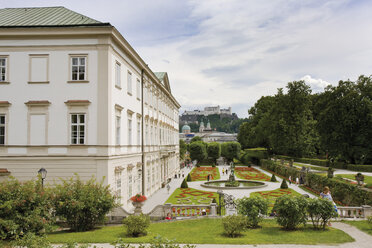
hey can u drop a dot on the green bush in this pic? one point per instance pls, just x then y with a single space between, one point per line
24 207
291 211
83 204
156 242
369 220
273 178
188 178
284 184
136 225
30 240
320 212
233 225
184 184
254 208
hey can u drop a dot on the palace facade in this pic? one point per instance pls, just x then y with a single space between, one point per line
75 97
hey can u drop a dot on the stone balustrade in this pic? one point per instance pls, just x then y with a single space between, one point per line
355 212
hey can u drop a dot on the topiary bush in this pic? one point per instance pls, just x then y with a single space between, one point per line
273 178
136 225
284 184
83 204
184 184
320 212
233 225
291 211
24 208
188 178
253 208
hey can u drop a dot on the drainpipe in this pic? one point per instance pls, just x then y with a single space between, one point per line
142 133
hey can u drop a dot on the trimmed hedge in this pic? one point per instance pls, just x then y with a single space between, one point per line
326 163
343 192
253 156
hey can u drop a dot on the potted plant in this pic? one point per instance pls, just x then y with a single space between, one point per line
138 201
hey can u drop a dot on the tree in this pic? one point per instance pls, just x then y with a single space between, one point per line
214 151
184 184
230 150
195 139
183 149
254 208
284 184
198 151
344 120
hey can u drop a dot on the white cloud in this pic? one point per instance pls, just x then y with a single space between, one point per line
317 85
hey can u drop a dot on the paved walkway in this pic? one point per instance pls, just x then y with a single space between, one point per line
362 240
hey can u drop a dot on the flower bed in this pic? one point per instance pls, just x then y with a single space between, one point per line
273 194
249 173
201 173
192 196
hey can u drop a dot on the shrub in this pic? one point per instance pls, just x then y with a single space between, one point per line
320 212
369 220
156 242
24 207
184 184
136 225
230 150
291 211
30 240
83 204
233 225
284 184
253 208
273 178
188 178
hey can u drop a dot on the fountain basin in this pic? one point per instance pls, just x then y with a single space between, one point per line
243 184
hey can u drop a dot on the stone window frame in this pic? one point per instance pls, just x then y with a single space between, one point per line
31 56
77 107
86 79
37 108
4 111
6 79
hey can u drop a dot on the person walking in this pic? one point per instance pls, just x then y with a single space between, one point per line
326 194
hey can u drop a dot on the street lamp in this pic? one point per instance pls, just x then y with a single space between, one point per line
42 172
220 193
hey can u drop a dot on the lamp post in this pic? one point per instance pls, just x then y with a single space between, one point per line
220 193
42 172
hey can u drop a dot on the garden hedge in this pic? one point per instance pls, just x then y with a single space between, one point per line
346 193
254 155
325 163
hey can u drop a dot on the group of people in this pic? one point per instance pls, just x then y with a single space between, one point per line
225 171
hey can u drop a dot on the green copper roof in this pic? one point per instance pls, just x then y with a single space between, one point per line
44 16
160 75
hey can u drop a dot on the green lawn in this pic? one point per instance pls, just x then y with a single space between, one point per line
192 196
271 195
360 224
312 167
201 173
208 231
367 179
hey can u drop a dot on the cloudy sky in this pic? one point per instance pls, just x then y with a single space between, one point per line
232 52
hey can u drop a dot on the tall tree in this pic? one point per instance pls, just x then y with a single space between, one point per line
214 151
183 149
198 151
345 120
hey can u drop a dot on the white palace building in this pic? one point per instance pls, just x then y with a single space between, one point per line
75 97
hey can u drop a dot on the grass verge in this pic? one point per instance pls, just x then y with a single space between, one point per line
208 231
361 225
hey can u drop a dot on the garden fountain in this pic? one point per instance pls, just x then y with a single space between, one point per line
232 183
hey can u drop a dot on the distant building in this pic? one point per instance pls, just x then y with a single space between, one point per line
209 111
207 134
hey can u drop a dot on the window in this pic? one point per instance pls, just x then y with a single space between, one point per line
138 133
77 129
118 185
78 68
3 72
129 82
118 124
117 75
130 183
2 129
129 131
153 176
138 89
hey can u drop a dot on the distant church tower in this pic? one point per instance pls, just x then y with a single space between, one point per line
201 128
209 126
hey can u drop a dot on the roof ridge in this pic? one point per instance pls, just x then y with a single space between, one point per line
38 7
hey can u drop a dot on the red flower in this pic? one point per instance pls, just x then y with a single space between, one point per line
138 198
